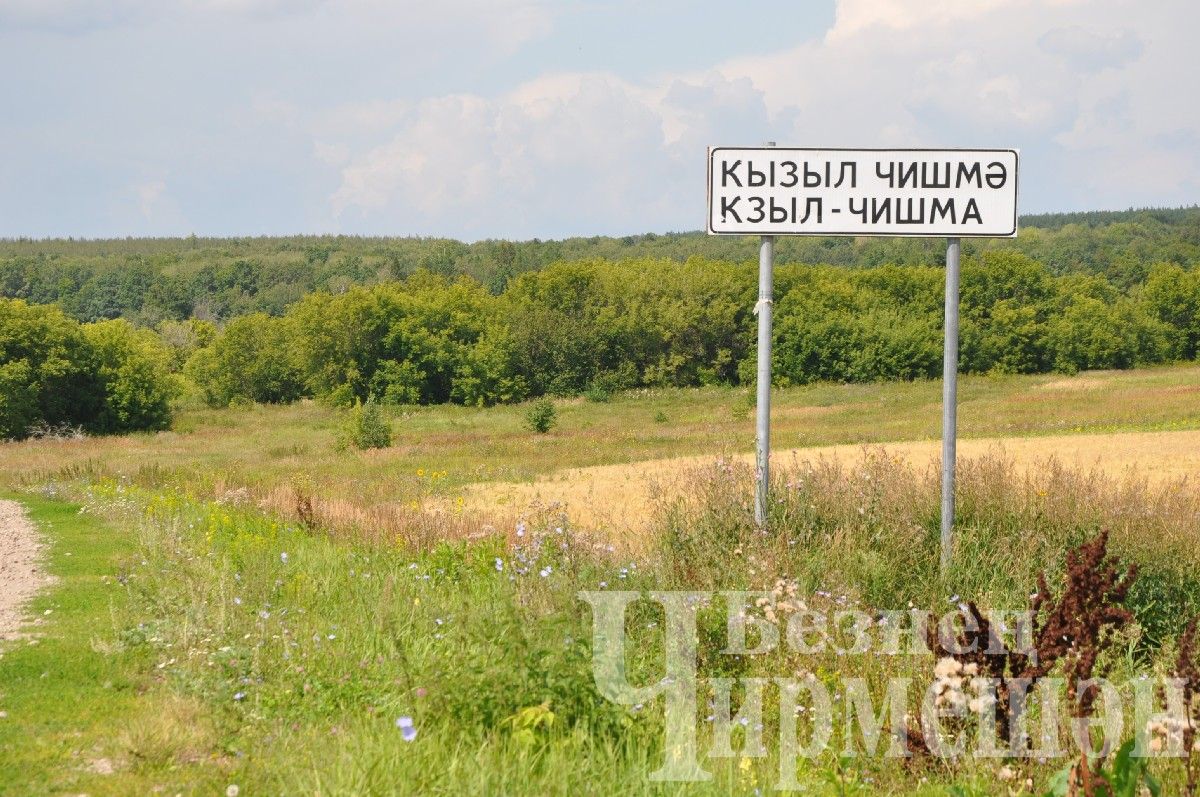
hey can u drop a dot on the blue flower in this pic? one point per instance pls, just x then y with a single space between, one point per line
408 731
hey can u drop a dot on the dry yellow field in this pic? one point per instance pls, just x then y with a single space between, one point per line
619 498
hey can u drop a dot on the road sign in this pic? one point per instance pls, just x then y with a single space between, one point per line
955 193
769 191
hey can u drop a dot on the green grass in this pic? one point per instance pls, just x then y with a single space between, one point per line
73 696
223 661
267 446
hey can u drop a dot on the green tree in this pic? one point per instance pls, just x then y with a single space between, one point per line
134 370
253 359
1172 296
46 370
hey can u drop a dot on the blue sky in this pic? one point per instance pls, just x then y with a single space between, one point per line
548 118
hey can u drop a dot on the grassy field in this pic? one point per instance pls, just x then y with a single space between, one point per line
240 604
274 451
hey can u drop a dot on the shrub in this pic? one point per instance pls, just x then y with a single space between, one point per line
366 427
254 359
104 377
597 394
134 368
541 416
45 369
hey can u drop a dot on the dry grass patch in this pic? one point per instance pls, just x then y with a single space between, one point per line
171 731
621 499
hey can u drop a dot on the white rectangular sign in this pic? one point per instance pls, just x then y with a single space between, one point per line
957 193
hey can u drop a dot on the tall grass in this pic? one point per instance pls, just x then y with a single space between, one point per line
870 530
295 629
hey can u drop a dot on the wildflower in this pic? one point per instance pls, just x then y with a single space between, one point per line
232 790
408 731
264 614
283 557
237 601
521 529
499 565
239 695
545 571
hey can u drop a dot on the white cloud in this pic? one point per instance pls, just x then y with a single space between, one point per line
386 115
584 150
147 202
1091 50
596 152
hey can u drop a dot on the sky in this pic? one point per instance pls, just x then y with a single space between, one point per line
518 119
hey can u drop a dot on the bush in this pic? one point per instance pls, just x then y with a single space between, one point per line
134 369
541 416
45 369
254 359
366 427
104 377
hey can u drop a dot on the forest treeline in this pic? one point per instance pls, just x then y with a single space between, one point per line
591 327
148 281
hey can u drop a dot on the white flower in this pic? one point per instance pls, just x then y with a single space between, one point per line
232 790
947 667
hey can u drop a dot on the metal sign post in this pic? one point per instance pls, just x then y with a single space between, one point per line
766 281
762 410
949 400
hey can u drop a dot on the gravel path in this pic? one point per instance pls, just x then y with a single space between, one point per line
21 571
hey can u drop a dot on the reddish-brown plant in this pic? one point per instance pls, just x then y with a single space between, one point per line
1073 629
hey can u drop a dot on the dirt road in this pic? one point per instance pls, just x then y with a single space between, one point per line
21 572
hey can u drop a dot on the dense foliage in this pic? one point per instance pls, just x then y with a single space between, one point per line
149 280
105 377
600 326
421 321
